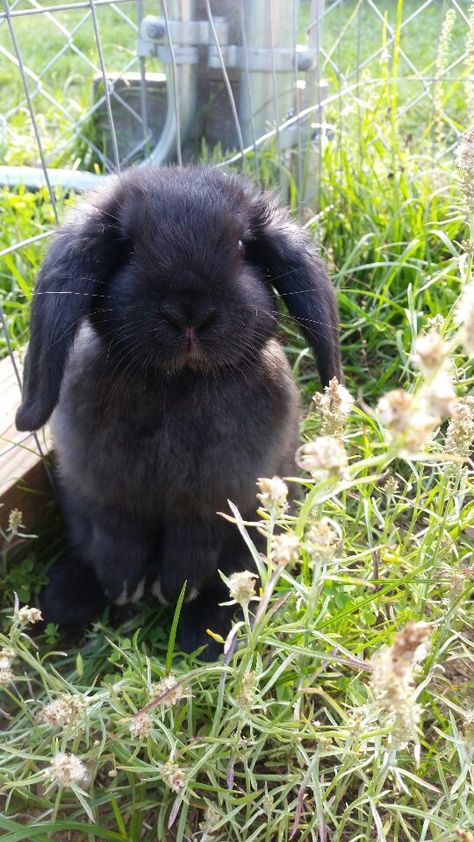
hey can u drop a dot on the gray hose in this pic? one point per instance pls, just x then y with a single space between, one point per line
34 178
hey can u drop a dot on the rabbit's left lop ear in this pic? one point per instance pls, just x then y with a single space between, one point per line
85 253
282 251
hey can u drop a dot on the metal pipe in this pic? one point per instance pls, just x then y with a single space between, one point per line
310 184
181 95
268 98
143 100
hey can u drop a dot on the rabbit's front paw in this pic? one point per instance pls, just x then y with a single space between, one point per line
120 555
157 591
132 591
189 553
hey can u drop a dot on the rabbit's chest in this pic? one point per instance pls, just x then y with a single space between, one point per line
195 454
176 452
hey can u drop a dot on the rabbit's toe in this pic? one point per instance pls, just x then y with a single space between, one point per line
157 591
129 593
166 598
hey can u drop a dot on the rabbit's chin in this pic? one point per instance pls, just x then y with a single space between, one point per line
194 359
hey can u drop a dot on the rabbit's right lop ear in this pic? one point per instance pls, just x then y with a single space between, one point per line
283 252
84 255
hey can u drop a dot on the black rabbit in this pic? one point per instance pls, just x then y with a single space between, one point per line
153 339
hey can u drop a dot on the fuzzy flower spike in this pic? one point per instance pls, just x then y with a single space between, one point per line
323 458
26 615
67 770
242 587
465 317
333 407
393 679
273 494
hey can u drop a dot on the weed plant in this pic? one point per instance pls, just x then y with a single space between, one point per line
342 707
329 716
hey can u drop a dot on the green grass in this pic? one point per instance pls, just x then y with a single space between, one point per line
288 739
353 31
23 216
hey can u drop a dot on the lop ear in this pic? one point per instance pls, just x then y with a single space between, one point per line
282 252
83 255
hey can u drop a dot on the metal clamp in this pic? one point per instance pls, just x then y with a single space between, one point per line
188 36
262 60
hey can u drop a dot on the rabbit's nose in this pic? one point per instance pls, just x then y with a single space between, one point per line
197 325
205 319
189 323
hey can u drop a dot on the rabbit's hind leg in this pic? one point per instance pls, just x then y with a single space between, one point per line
206 611
202 614
121 549
73 597
117 545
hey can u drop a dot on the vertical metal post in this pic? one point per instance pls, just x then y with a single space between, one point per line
181 85
313 76
269 95
310 189
143 97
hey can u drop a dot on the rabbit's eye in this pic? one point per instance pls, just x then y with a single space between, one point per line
240 245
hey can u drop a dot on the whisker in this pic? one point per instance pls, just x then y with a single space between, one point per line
276 314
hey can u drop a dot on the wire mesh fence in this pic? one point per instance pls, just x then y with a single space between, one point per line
82 86
88 87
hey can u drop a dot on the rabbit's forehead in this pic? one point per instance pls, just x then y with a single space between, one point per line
200 249
206 212
186 262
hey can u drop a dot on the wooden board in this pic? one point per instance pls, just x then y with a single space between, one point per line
24 482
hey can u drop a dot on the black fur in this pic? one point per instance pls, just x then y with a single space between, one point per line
156 425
